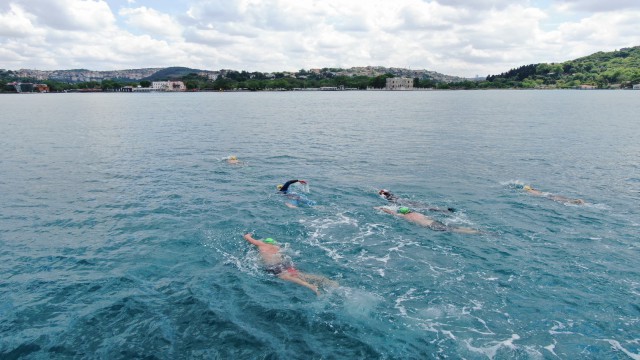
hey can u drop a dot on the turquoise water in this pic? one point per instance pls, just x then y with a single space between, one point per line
121 225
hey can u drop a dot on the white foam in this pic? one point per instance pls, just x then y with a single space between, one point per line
560 326
384 259
490 351
598 206
321 230
403 298
616 345
512 183
360 303
551 348
477 305
449 334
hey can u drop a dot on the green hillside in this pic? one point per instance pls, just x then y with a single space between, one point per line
620 68
171 73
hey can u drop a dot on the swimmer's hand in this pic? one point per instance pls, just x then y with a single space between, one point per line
302 181
387 210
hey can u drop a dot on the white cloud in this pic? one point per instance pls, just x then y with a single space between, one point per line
457 37
15 23
428 17
480 4
598 5
80 15
10 56
598 32
151 21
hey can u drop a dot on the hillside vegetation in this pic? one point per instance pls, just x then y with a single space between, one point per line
604 70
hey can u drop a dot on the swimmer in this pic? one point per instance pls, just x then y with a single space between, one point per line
558 198
423 220
233 160
285 188
275 263
294 199
390 197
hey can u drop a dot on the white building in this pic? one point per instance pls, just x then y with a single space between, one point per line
636 87
168 86
399 84
142 89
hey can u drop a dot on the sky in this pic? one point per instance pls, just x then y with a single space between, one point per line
453 37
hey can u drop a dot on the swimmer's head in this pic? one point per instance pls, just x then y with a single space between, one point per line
385 193
527 188
403 210
269 241
279 186
233 157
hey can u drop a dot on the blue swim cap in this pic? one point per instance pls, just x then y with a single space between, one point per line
269 241
404 210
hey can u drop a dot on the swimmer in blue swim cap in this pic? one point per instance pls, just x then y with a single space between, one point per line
281 266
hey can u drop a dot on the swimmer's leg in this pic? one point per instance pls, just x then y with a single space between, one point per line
464 230
306 201
292 201
296 279
318 279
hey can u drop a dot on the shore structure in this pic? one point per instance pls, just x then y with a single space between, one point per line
399 84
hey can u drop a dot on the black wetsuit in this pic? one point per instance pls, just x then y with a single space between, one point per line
390 197
285 188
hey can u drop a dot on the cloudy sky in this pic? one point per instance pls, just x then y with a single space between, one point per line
454 37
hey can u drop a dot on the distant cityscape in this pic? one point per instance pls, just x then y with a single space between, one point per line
84 75
602 70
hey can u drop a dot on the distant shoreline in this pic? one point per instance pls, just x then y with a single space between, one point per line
300 90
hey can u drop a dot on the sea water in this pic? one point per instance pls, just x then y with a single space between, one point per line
121 225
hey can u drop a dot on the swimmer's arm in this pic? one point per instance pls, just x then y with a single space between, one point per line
286 185
388 211
447 210
250 239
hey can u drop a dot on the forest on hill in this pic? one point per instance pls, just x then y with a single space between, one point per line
603 70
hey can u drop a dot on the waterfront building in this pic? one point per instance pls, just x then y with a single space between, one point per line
142 89
168 86
636 87
21 87
399 84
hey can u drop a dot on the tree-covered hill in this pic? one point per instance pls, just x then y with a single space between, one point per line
620 68
171 73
